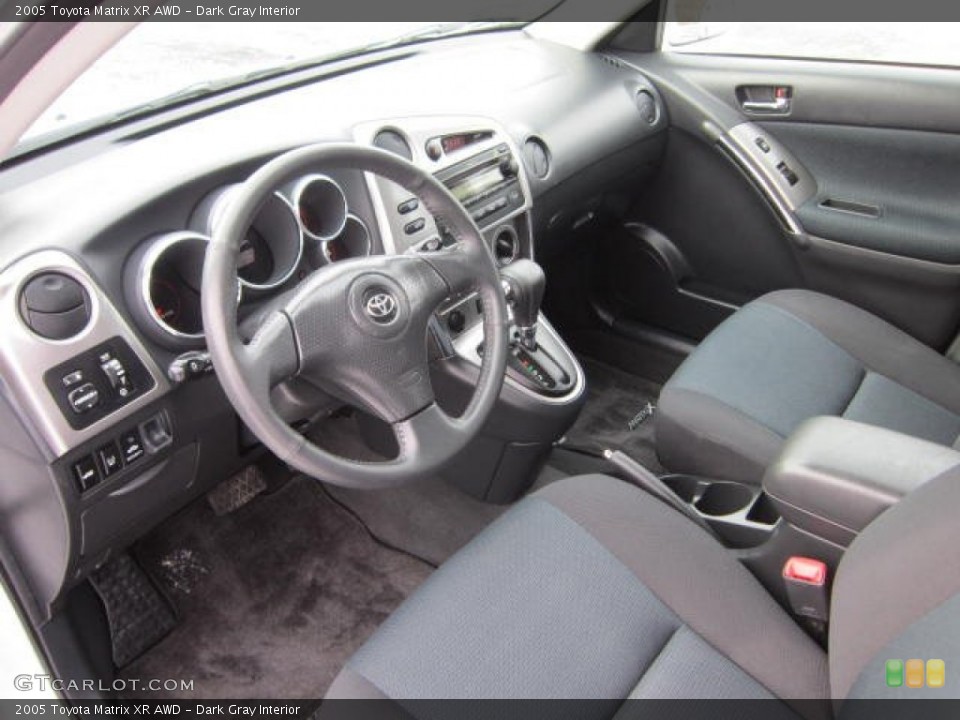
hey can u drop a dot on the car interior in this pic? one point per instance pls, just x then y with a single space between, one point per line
605 372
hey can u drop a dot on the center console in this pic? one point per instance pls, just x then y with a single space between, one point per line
543 390
835 476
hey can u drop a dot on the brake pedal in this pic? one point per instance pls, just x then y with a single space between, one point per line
138 615
231 495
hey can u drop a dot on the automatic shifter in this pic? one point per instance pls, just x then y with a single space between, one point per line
523 286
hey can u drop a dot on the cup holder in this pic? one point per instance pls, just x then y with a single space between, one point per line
742 515
685 487
724 498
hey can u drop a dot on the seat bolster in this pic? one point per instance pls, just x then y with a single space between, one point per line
699 580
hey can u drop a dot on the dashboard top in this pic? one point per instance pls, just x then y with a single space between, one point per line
131 222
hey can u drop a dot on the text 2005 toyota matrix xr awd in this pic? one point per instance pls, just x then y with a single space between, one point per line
600 361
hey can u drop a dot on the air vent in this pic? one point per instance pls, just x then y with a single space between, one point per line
536 157
506 246
55 306
648 107
392 141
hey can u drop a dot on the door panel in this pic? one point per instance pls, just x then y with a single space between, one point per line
881 226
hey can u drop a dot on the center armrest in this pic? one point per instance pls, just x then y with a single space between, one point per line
834 476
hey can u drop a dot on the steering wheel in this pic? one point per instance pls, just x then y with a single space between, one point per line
357 328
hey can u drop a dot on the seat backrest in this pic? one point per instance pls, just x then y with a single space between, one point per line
897 597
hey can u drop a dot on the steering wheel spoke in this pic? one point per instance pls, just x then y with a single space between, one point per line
459 267
271 356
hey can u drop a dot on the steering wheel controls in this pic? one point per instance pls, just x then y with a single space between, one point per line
190 366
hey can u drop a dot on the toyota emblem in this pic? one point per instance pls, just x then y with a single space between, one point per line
381 307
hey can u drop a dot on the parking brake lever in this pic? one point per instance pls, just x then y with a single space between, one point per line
646 480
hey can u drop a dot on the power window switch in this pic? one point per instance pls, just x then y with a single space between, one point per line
111 461
85 473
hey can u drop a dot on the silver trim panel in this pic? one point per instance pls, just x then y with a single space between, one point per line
25 357
417 130
467 343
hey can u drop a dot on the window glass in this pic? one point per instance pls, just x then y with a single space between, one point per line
915 43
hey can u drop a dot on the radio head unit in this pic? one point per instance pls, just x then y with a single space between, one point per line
486 184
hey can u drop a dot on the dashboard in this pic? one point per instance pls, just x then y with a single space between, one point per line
114 417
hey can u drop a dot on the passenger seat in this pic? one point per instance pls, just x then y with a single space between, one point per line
789 356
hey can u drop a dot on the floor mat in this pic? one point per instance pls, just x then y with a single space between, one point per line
273 598
616 401
430 519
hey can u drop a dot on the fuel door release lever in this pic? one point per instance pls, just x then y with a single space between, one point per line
765 99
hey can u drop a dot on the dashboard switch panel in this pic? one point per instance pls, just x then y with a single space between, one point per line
85 473
111 375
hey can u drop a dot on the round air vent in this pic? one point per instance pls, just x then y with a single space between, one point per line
506 246
392 141
536 157
55 306
648 107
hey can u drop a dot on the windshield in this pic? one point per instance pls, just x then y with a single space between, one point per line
158 63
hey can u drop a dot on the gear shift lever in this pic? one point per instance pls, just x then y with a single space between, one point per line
523 285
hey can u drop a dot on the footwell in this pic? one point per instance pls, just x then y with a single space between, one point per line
273 598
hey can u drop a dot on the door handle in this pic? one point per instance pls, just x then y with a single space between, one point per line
780 105
765 99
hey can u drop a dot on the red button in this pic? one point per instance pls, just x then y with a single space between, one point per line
805 570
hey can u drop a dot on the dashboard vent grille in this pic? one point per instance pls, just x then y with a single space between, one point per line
392 141
648 107
536 156
55 306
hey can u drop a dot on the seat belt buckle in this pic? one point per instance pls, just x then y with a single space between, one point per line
806 582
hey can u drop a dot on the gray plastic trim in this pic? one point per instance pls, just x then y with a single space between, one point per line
417 130
467 343
25 357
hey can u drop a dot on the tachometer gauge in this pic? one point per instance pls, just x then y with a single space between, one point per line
166 301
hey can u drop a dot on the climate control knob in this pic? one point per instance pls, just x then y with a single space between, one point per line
509 167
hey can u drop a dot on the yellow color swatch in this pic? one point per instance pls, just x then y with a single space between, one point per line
936 673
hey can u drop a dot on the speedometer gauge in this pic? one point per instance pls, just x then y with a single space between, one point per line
255 261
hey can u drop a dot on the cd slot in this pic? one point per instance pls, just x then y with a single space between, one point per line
480 197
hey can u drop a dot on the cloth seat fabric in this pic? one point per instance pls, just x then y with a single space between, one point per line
785 358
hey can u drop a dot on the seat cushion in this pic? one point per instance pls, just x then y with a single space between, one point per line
785 358
588 589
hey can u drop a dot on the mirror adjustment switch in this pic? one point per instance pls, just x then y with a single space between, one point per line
84 399
117 376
